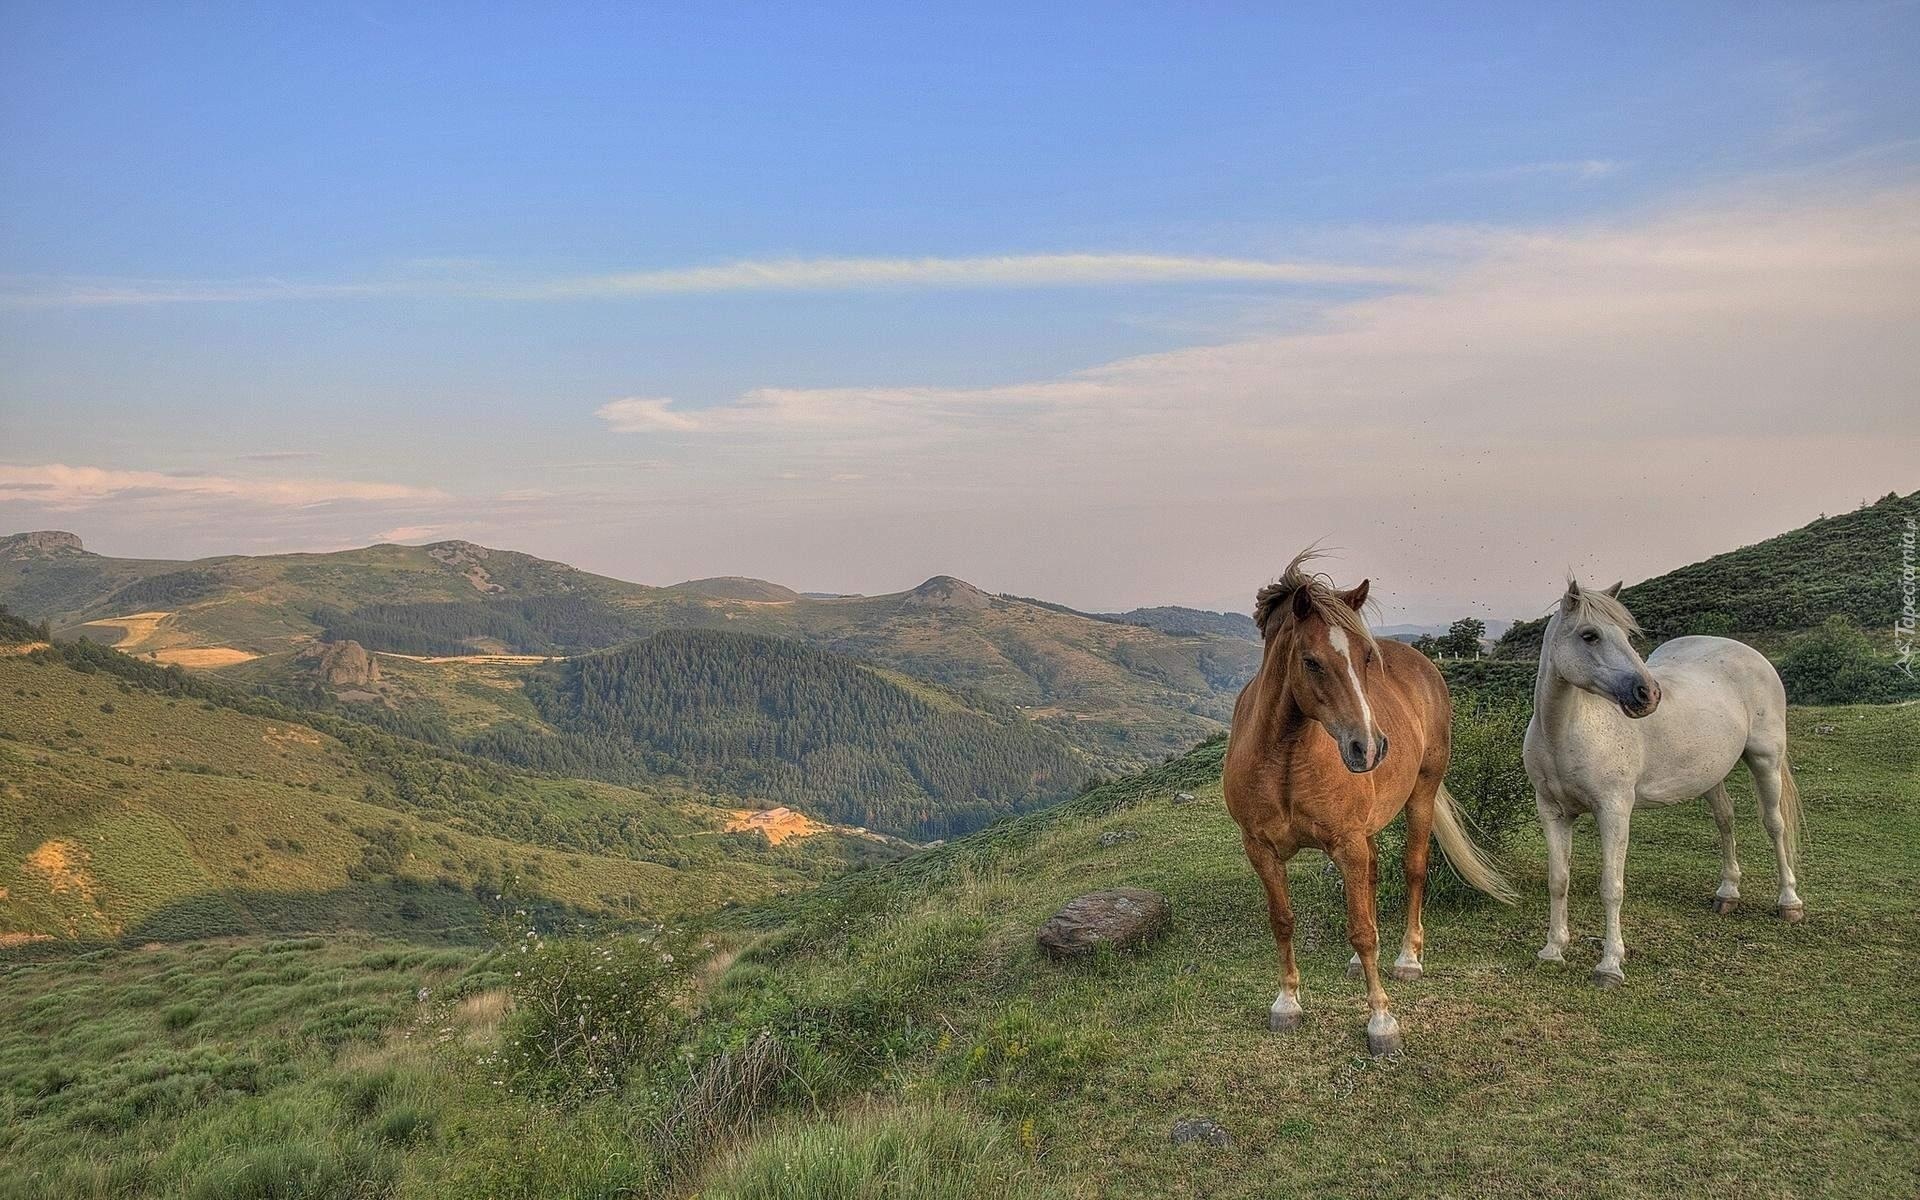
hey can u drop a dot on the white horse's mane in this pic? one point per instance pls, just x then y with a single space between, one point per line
1598 606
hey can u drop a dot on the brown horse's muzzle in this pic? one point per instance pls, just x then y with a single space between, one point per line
1359 754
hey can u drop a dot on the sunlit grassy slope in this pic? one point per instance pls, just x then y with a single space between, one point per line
1743 1056
131 814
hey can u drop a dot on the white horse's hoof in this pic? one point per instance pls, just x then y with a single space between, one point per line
1383 1035
1606 981
1724 905
1407 972
1793 914
1353 968
1552 954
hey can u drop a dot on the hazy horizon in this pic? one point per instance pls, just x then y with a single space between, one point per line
1112 315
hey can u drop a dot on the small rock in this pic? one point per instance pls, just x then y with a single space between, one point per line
1113 837
1122 918
1199 1129
1184 797
1826 729
425 995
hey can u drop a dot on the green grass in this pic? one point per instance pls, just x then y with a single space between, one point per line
224 1069
921 1047
1743 1055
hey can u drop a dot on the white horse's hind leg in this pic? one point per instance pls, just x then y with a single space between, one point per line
1559 832
1728 896
1613 822
1767 767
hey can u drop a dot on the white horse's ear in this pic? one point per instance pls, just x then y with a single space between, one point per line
1573 594
1355 597
1613 593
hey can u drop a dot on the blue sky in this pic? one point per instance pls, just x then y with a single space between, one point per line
1060 301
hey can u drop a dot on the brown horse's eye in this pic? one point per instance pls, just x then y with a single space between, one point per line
1313 664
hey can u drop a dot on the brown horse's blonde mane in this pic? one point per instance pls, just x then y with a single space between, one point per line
1273 605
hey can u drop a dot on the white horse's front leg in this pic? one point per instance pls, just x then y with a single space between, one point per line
1558 827
1612 821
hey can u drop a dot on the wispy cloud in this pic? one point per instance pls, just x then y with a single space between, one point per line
786 274
63 487
279 456
1578 170
407 533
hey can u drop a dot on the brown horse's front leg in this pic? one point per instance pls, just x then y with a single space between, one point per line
1360 878
1285 1015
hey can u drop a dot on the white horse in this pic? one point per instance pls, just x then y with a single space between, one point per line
1611 733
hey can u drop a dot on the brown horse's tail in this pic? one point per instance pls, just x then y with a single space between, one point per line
1465 857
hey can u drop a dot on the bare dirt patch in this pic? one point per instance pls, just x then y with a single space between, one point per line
779 824
63 865
136 629
284 735
201 657
21 648
10 940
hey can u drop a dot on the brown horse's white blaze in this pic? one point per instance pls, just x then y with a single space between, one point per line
1334 736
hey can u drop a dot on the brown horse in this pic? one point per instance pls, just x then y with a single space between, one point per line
1335 735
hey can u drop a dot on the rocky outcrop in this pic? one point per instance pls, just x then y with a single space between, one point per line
466 558
44 543
343 665
944 591
1122 918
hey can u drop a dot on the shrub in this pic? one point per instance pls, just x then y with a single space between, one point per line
1489 784
1838 664
587 1011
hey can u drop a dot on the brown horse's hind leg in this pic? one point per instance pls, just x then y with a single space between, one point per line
1360 878
1407 968
1285 1015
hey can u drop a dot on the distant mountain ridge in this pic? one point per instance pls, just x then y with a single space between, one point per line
1123 693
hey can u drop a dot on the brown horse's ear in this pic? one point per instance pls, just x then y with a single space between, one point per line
1302 601
1613 593
1355 597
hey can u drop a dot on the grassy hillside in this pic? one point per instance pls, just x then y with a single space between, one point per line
138 812
1729 1062
1767 592
896 1029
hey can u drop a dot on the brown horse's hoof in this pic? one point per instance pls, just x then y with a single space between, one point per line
1383 1042
1793 914
1407 972
1282 1020
1606 981
1722 906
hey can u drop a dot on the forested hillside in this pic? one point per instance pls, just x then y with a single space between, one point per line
765 717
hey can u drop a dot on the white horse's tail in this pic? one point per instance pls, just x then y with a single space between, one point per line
1790 818
1465 857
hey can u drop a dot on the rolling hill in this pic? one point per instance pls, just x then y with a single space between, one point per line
1123 694
138 803
1766 593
